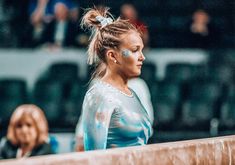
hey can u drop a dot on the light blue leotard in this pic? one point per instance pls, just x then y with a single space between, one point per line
112 118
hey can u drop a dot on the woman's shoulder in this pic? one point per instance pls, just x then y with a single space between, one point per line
100 88
7 149
100 92
42 149
6 143
3 142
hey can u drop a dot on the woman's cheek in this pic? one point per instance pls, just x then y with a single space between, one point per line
126 53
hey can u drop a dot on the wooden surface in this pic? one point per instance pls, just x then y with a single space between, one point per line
211 151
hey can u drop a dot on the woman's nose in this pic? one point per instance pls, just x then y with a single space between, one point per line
142 57
24 128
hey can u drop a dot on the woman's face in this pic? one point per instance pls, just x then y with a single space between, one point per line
26 132
131 57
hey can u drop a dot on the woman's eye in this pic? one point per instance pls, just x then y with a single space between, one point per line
135 50
18 125
29 125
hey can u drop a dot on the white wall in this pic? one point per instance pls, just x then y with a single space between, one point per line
162 57
30 64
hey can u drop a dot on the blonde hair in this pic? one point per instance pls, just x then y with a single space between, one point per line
38 118
102 37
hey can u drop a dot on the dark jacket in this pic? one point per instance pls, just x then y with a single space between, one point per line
8 150
71 32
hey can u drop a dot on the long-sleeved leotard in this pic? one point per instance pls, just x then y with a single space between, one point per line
111 118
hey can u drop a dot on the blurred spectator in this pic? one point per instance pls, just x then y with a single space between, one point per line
27 134
13 23
4 26
54 22
202 31
37 9
129 12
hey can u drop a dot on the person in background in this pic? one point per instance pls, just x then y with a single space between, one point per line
112 114
27 134
54 21
202 31
129 12
38 10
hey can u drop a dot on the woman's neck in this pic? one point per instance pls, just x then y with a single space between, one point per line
117 81
26 148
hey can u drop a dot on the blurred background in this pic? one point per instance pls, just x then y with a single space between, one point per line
189 68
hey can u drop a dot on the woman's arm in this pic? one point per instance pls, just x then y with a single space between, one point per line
97 111
79 145
38 13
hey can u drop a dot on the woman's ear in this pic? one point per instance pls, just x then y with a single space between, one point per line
111 56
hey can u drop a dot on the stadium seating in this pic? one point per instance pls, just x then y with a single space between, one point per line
166 98
148 72
13 92
63 71
74 93
48 95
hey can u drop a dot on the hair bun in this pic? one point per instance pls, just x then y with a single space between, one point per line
104 21
96 18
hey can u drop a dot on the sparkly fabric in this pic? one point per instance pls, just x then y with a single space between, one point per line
112 118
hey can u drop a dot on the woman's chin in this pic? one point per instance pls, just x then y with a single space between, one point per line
136 75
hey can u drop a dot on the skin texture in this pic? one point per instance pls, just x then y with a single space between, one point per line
133 60
37 15
26 133
120 68
61 12
126 52
128 11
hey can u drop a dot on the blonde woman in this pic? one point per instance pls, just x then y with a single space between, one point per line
113 115
27 134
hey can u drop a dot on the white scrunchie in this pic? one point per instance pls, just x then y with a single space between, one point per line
104 21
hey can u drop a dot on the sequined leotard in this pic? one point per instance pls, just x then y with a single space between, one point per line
112 118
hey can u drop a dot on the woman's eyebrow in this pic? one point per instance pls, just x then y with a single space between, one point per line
137 47
134 46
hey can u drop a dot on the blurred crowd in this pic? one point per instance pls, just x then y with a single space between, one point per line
55 23
37 23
